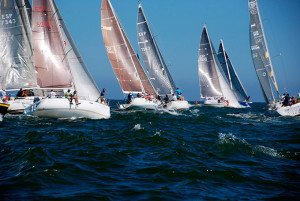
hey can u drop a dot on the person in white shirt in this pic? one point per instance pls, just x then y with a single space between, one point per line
3 93
52 94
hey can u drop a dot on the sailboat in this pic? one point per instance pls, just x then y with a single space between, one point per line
214 87
155 65
60 67
263 65
125 63
232 77
16 57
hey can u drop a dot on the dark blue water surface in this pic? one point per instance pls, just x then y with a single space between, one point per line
205 153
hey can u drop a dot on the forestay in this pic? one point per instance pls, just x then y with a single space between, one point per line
152 58
16 57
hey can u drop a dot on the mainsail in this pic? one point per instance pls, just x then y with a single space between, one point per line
16 57
156 67
57 59
231 74
208 76
49 56
260 55
126 66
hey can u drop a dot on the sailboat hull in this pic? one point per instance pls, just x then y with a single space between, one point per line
61 108
293 110
140 104
18 105
214 102
178 105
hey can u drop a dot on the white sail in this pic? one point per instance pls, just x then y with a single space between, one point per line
82 79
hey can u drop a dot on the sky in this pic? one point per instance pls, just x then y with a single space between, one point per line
177 26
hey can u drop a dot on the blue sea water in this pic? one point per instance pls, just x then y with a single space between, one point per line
205 153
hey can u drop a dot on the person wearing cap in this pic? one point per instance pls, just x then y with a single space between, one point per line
298 98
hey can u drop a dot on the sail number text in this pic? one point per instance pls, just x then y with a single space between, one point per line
144 49
141 34
40 8
7 19
43 24
202 58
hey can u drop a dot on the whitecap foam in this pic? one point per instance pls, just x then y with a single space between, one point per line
227 138
157 133
268 151
138 127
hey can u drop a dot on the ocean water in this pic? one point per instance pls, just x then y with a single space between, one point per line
205 153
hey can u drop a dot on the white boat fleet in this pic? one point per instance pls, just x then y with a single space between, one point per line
45 64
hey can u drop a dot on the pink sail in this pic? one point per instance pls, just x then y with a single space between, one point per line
127 68
49 57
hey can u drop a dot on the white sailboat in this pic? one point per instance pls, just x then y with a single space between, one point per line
155 65
214 87
263 65
126 66
232 77
59 67
16 57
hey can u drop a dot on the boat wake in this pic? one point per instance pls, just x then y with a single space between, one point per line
172 112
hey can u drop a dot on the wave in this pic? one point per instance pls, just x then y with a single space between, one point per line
242 145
